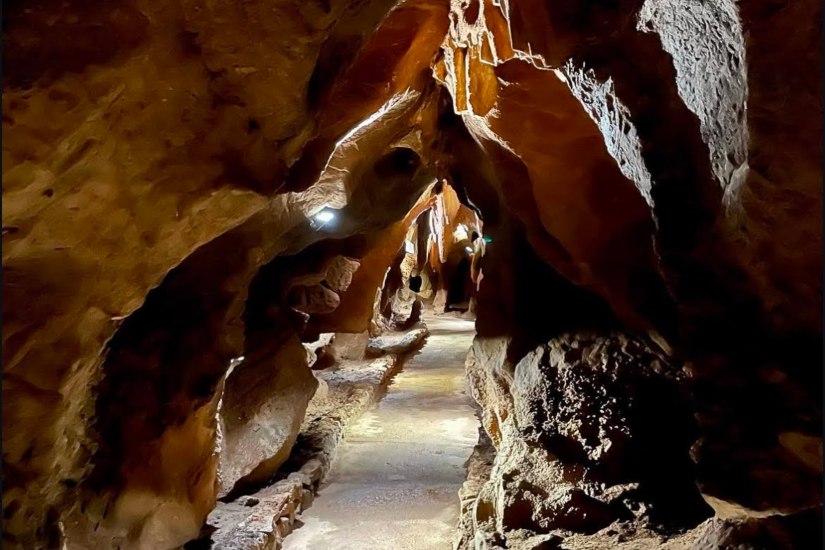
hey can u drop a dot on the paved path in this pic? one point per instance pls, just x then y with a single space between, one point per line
395 479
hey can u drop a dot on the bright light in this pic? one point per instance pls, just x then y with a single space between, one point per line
468 249
325 216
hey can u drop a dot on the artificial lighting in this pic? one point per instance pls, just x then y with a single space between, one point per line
468 249
488 239
324 216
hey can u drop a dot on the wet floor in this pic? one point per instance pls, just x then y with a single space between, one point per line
395 479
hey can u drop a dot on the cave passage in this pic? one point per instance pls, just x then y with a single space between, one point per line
394 480
412 274
458 295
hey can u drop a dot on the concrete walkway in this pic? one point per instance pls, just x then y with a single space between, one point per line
395 479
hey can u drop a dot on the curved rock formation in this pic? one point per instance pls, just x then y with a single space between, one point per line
193 189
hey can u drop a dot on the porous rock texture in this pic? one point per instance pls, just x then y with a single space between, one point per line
588 430
649 173
700 200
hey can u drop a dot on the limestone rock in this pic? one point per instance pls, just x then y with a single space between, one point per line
396 344
350 346
413 318
262 408
579 445
642 167
339 273
795 531
313 299
320 350
694 123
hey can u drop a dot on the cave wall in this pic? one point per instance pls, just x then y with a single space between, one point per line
649 171
631 66
161 163
685 113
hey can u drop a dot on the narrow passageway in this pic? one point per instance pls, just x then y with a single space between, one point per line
395 479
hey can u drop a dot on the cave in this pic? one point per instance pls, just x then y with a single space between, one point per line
458 291
424 274
415 283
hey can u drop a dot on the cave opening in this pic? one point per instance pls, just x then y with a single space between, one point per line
415 283
458 294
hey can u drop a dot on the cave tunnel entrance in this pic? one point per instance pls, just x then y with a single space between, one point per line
458 294
415 283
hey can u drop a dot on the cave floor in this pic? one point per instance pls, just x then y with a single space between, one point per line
395 479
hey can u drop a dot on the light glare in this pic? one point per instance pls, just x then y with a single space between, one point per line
324 216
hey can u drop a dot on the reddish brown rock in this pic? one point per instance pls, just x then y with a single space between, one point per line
261 410
648 171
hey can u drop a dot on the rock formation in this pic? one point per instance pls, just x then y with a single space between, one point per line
648 174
